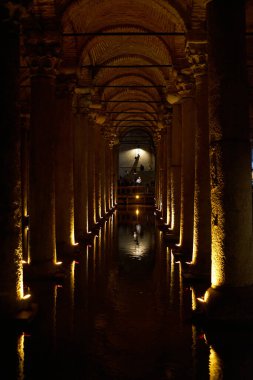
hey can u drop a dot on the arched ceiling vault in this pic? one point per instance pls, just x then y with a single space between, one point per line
124 52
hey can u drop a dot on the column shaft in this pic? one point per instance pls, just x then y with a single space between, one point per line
81 175
11 272
176 149
42 170
187 175
91 177
64 171
25 149
231 198
231 293
168 184
201 258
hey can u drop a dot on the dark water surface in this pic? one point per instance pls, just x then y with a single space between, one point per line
123 313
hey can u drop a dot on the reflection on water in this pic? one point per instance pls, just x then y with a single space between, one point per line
122 313
21 355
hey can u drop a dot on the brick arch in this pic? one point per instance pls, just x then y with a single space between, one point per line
90 16
136 77
144 107
99 50
158 74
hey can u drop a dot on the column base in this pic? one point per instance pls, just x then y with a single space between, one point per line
44 271
18 313
67 250
171 237
195 272
228 305
163 227
181 252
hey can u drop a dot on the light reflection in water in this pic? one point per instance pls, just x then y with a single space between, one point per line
167 266
130 313
215 365
181 291
135 240
55 295
21 356
172 277
72 294
87 264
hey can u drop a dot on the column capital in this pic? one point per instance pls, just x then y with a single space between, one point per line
65 85
12 12
41 46
43 57
156 138
196 53
81 102
110 135
185 85
99 117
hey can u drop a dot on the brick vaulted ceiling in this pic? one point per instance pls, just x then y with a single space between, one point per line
125 55
130 53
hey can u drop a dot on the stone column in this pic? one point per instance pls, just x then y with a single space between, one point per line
81 146
176 146
157 143
164 176
168 169
11 272
42 59
98 174
25 149
108 170
64 189
91 176
115 173
230 296
187 176
201 256
111 167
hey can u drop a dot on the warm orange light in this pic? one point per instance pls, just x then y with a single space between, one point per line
58 263
26 296
137 196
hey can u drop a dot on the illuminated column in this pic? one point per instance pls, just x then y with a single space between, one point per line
165 178
97 172
158 168
107 169
81 146
43 60
115 173
168 176
112 174
25 147
103 177
111 169
201 257
187 175
176 147
64 186
230 296
91 175
11 272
